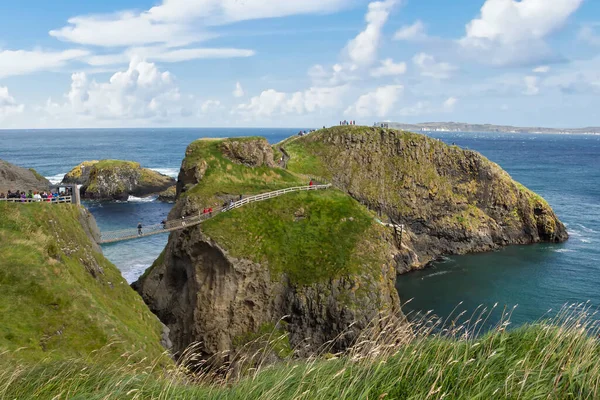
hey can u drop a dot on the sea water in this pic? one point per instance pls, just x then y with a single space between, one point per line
564 169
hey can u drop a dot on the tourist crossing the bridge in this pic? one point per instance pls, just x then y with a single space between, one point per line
201 216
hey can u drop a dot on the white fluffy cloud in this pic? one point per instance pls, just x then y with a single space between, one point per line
210 106
180 22
22 62
579 77
425 108
450 103
543 69
389 68
414 32
512 32
362 50
8 104
430 68
531 85
271 102
238 91
336 75
378 103
165 54
140 92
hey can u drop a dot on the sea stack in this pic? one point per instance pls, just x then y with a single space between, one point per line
116 180
320 266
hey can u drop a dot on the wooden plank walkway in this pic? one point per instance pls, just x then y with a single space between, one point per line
183 223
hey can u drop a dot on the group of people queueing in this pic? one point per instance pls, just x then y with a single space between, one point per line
32 196
344 122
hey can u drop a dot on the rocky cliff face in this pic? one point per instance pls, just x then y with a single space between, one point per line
452 201
15 178
311 264
203 294
117 180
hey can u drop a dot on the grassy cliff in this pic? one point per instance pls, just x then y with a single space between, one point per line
209 173
451 200
317 259
60 298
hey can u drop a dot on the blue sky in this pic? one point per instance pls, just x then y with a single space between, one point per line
298 62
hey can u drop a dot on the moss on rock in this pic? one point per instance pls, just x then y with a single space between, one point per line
317 258
451 200
116 179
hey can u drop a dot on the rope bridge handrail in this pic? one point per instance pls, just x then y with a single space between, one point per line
186 222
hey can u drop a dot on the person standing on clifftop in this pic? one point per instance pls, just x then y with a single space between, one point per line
139 229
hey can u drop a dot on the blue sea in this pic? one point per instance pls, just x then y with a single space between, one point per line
564 169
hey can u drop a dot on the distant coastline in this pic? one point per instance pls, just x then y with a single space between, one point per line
488 128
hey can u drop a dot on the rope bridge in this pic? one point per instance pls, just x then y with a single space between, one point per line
174 225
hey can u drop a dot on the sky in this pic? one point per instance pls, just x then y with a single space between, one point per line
298 63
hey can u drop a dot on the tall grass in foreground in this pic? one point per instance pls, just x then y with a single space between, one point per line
426 359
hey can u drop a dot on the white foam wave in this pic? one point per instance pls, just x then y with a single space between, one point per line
564 251
134 271
56 179
172 172
436 274
149 199
586 229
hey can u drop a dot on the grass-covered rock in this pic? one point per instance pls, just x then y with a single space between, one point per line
452 201
60 298
311 263
116 180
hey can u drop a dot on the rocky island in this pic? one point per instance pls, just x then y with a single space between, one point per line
116 180
317 264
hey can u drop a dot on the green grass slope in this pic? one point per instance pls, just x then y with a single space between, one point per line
222 176
59 297
309 236
547 360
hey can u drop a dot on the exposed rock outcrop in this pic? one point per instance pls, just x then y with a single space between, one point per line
15 178
203 294
452 201
116 180
169 195
318 261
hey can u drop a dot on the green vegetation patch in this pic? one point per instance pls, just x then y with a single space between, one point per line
223 176
37 175
309 236
114 164
267 337
60 298
543 361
